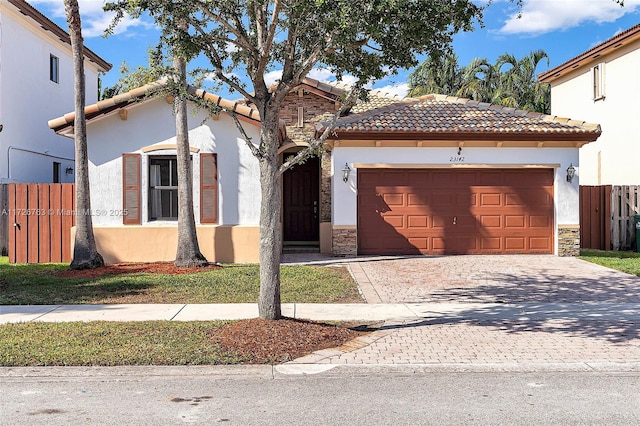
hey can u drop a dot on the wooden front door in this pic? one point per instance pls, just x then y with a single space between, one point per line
301 202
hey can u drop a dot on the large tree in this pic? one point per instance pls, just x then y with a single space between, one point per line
85 253
363 38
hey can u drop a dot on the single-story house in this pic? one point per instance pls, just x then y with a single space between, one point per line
432 175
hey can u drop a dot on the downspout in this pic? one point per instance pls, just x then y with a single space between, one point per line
11 147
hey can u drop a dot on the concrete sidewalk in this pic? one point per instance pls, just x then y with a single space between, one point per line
326 312
511 313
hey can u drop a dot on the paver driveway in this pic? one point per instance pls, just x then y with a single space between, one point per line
508 312
499 279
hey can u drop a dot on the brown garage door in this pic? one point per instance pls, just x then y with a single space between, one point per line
444 211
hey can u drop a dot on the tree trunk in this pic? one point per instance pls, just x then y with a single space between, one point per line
270 226
85 253
188 252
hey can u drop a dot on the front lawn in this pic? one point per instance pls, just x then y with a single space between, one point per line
625 261
102 343
47 284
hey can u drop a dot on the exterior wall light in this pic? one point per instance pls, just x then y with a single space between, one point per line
345 172
69 170
571 172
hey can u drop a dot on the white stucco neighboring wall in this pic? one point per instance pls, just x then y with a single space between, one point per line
344 201
152 123
28 148
614 159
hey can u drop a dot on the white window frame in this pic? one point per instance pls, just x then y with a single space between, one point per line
598 81
173 186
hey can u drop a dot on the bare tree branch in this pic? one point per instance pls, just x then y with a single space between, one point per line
254 149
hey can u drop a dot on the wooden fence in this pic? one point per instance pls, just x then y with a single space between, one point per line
606 216
4 221
40 217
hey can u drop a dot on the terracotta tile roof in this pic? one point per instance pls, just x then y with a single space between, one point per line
440 116
48 25
608 46
143 93
376 99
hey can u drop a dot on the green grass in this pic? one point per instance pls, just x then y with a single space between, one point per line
625 261
112 343
37 284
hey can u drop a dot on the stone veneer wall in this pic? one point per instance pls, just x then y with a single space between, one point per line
344 242
568 240
325 187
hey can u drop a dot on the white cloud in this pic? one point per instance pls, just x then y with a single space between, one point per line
272 77
400 90
543 16
94 19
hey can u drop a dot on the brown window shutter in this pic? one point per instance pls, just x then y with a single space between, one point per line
131 189
208 188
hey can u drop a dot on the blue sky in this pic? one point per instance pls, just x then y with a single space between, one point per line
562 28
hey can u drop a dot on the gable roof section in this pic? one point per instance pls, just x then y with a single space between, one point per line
441 117
48 25
64 124
614 43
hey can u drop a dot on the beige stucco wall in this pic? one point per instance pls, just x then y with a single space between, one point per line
224 244
614 158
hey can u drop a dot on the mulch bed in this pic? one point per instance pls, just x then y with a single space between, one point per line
128 268
259 341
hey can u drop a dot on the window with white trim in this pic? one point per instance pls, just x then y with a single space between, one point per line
163 188
161 194
597 77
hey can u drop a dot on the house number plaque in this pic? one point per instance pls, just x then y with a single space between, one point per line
456 159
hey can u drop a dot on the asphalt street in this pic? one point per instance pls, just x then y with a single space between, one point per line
340 396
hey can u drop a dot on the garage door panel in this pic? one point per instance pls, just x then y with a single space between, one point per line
465 179
393 199
515 243
511 221
395 221
417 200
538 243
511 199
491 221
490 199
421 221
441 179
537 221
421 244
491 243
453 211
490 178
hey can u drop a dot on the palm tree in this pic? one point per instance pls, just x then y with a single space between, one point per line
481 81
440 74
85 253
521 84
188 251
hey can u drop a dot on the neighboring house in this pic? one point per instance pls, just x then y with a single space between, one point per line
602 85
36 83
433 175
